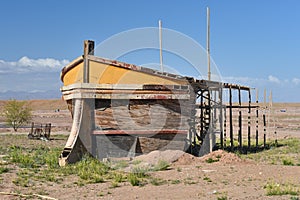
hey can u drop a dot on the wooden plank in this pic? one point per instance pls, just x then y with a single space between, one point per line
139 132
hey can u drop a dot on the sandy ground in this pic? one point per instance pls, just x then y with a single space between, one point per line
188 177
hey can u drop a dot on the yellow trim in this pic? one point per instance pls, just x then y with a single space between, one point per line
74 75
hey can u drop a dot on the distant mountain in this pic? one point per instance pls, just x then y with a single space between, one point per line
23 95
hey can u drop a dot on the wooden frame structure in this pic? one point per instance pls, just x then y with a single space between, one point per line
195 110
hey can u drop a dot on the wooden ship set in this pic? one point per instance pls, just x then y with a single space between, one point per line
124 110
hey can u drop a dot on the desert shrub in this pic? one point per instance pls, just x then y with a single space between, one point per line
140 172
281 189
287 161
175 181
211 160
3 170
222 198
118 177
133 179
16 113
161 165
90 170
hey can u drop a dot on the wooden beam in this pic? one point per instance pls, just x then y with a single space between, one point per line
139 132
230 119
240 137
249 119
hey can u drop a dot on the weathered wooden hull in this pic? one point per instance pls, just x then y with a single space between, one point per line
120 109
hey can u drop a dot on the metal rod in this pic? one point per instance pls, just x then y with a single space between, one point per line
208 45
160 46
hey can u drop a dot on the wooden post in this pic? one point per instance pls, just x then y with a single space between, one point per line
249 119
264 119
225 125
201 117
264 116
210 120
32 125
88 50
230 119
240 119
208 45
221 116
256 131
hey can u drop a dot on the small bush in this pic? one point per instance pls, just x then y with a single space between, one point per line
133 179
207 179
118 177
281 189
287 161
294 198
90 170
3 170
222 198
140 172
175 181
161 165
211 160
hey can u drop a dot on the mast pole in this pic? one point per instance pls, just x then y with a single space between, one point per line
160 46
208 45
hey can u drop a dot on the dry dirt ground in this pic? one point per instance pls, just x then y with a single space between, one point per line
188 177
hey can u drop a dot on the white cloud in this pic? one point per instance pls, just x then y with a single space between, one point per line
26 64
273 79
283 89
296 81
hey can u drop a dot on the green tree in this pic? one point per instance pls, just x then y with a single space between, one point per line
16 113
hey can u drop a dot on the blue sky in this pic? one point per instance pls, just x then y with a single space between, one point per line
255 43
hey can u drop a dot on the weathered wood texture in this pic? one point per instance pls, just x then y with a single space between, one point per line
142 114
